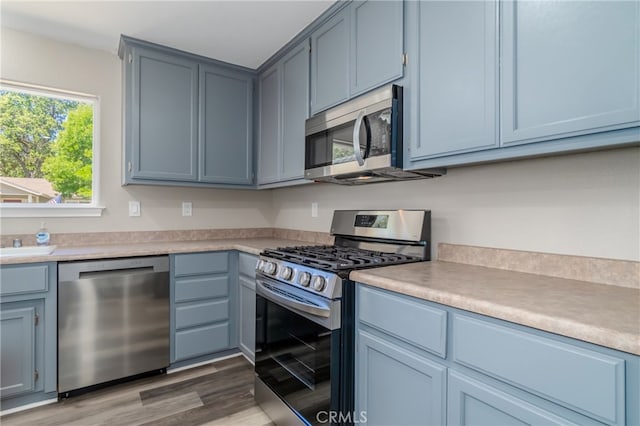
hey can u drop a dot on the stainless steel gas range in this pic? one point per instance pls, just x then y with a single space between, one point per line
305 310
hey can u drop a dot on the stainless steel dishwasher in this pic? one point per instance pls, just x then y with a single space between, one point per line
113 320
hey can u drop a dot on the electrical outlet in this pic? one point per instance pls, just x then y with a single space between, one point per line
314 209
134 208
187 208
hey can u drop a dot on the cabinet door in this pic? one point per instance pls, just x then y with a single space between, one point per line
225 126
471 402
397 387
163 116
569 68
330 62
376 44
456 77
17 330
247 317
295 110
269 126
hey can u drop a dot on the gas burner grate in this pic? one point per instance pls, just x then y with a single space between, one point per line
338 258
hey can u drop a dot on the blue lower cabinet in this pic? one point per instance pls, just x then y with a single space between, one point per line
203 299
247 316
200 341
28 334
396 386
247 304
493 372
580 379
18 333
471 402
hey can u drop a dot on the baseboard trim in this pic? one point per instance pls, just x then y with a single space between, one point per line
200 364
28 406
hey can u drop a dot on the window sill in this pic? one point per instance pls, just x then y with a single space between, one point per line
15 211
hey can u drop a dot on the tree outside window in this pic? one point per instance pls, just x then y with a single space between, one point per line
46 147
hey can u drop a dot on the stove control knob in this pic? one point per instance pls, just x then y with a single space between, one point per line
260 265
304 279
319 283
270 268
286 273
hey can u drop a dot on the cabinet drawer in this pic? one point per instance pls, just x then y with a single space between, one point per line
580 379
194 314
23 279
207 287
247 264
202 341
404 317
201 263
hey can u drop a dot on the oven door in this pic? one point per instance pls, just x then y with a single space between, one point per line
297 352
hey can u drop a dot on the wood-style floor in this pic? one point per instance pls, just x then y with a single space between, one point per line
220 393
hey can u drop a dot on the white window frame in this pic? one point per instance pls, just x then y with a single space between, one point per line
93 209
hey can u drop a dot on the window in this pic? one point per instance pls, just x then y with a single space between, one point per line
48 146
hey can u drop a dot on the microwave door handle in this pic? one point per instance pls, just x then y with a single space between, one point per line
356 139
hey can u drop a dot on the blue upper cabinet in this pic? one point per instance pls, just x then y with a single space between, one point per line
490 81
295 110
269 125
226 135
454 77
376 44
188 120
283 107
161 115
330 62
569 68
358 49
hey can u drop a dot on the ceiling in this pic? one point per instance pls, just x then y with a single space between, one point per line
241 32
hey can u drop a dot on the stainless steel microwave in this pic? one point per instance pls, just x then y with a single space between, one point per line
359 141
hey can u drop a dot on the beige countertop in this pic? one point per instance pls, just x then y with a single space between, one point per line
606 315
103 251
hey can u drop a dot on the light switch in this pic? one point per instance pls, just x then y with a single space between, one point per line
134 208
187 208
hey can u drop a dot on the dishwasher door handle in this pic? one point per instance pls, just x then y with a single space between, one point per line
115 273
72 271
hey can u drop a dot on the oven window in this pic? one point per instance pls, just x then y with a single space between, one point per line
294 358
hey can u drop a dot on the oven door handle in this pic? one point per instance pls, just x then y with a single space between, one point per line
266 290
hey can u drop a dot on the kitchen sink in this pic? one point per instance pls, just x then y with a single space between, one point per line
26 251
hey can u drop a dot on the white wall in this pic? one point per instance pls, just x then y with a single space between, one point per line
583 204
33 59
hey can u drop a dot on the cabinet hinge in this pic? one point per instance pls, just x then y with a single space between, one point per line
36 319
130 58
405 59
129 166
36 376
